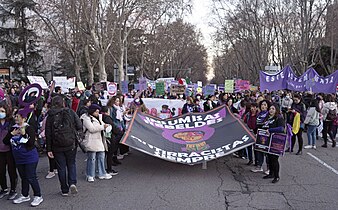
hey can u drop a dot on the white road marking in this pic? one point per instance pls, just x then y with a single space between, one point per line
323 163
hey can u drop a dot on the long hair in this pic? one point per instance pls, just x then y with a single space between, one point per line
8 110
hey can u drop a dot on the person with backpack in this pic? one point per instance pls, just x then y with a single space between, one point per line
61 142
94 143
329 113
21 137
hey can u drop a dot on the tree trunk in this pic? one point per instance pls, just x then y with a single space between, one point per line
102 66
89 65
120 64
77 71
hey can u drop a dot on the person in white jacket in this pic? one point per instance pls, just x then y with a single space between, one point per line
312 121
94 143
329 112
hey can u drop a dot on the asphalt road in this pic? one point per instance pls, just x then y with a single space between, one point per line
145 182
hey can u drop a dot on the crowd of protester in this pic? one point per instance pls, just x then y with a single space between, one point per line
101 122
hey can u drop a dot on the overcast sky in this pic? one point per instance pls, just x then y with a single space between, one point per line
200 18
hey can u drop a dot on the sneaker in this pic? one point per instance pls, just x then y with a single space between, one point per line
12 194
308 147
113 173
55 171
36 201
64 194
257 169
50 175
73 189
120 157
314 147
267 172
3 193
90 179
106 176
21 199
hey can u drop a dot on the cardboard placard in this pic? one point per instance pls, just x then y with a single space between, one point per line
111 88
229 86
80 86
62 82
124 87
274 144
178 89
38 80
160 88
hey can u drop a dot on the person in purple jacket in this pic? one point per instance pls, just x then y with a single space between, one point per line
6 156
21 137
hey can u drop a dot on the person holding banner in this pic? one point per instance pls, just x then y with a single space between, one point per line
274 123
262 115
188 107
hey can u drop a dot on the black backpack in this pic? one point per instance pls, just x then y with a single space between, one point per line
63 131
332 115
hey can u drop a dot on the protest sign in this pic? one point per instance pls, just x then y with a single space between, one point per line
124 87
274 144
277 144
178 89
142 83
242 85
229 86
62 82
80 86
38 80
209 90
262 141
111 88
160 88
71 82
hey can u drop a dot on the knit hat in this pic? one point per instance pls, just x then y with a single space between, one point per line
24 112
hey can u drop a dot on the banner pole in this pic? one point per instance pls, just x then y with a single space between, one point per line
204 165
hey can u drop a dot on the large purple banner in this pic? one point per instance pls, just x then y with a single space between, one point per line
191 138
309 81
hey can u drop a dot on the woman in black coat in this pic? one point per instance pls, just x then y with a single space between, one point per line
274 123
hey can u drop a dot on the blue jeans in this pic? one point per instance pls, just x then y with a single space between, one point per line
65 162
259 158
311 134
95 158
28 177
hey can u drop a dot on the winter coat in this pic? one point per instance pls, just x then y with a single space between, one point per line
93 128
312 117
327 107
301 109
